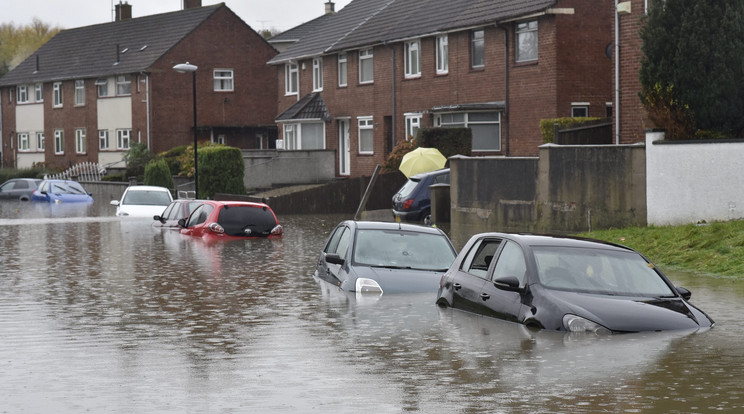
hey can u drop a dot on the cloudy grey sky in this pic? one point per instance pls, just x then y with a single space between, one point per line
67 14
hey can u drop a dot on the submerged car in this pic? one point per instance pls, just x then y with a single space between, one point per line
378 257
177 210
413 201
231 220
566 284
61 191
18 188
143 201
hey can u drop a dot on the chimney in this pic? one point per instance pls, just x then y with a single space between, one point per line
191 4
123 11
330 7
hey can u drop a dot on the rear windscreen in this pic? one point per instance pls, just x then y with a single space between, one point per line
236 219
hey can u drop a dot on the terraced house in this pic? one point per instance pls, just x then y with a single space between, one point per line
90 92
376 71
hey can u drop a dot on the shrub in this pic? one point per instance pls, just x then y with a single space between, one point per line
221 170
668 113
158 173
136 158
547 126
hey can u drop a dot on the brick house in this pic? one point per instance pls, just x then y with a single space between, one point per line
377 70
90 92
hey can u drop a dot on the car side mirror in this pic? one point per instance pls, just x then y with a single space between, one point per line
686 294
158 218
182 222
114 202
508 283
335 259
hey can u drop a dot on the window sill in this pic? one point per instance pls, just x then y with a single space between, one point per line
525 63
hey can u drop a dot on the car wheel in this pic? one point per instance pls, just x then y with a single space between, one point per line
427 217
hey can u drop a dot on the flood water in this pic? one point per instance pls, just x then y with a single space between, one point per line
101 314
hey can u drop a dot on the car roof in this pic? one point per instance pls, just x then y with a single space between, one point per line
147 188
387 225
235 203
430 173
535 240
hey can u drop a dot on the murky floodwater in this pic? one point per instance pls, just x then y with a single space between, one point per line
100 314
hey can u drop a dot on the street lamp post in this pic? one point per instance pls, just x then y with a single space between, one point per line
185 68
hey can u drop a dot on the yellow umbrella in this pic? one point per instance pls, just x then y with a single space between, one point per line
422 160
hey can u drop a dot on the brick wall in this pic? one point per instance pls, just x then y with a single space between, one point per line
633 121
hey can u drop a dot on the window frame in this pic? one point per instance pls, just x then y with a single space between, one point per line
102 85
22 94
24 143
40 141
223 80
478 48
343 69
579 106
442 54
59 141
364 56
103 140
412 59
365 123
467 122
39 92
521 30
121 136
81 142
413 124
317 74
123 85
57 98
79 92
291 79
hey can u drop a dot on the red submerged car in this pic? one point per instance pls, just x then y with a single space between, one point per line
231 220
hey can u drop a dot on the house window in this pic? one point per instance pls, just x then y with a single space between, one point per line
412 59
80 141
366 66
223 80
291 79
57 94
526 37
22 94
59 141
366 136
40 141
317 74
304 136
23 142
122 138
342 69
103 139
485 127
580 109
413 123
124 85
79 92
442 55
39 89
477 48
102 85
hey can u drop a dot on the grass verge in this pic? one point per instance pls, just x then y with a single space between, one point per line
715 249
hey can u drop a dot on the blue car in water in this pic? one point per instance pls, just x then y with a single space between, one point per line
61 191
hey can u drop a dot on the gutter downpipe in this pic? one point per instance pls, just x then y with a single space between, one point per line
506 88
616 110
147 107
395 109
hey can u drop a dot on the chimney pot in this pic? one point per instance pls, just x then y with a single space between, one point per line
330 7
123 11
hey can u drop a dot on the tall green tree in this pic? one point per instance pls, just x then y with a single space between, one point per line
19 42
694 52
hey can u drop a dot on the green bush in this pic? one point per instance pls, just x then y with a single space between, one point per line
547 126
158 173
221 170
136 158
449 141
8 173
173 158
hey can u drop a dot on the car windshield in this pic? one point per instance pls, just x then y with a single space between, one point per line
403 249
67 188
147 198
237 219
602 271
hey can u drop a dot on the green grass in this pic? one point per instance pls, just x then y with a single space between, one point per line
715 249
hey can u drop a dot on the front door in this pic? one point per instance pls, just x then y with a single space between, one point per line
344 150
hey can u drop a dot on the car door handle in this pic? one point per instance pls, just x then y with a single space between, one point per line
457 286
485 296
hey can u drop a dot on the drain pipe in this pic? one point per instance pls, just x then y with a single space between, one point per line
395 106
506 89
617 75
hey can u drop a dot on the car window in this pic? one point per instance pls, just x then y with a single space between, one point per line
480 256
510 262
343 243
408 188
442 179
169 211
237 219
333 240
199 215
44 187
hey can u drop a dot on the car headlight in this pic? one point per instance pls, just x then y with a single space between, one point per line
364 285
573 323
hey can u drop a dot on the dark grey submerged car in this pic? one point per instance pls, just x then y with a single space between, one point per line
18 188
378 257
566 284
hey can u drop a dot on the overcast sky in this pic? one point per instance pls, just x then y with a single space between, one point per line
68 14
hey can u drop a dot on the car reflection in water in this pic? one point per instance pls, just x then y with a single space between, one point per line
566 284
377 257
